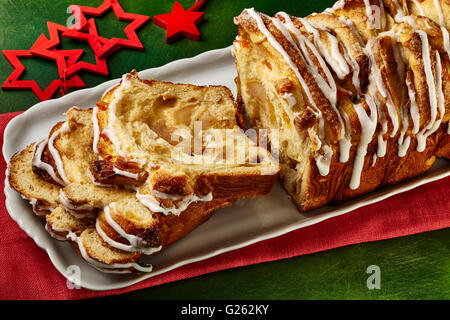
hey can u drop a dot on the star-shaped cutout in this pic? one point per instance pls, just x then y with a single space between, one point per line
101 46
13 82
179 23
47 49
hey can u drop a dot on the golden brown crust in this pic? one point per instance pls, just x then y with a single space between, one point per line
103 173
351 42
22 179
47 158
443 149
173 228
168 229
402 45
334 127
78 132
82 198
150 235
105 147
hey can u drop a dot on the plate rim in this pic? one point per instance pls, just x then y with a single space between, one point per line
202 58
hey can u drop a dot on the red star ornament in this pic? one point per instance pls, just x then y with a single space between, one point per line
101 46
13 82
46 49
179 23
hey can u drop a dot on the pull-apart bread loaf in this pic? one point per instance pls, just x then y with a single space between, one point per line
147 165
359 94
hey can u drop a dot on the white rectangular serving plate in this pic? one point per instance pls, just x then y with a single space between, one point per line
247 222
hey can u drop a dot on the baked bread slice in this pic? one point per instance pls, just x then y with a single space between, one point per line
42 195
142 125
61 158
64 225
436 10
182 187
359 102
81 196
114 210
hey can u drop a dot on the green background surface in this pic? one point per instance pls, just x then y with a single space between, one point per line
413 267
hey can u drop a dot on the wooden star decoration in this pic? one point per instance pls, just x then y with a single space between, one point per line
103 47
13 82
180 22
47 50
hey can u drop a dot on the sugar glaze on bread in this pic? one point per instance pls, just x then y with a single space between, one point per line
359 93
115 186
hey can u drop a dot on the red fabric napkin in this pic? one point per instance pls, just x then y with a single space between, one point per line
27 273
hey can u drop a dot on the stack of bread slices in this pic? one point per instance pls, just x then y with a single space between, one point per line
144 167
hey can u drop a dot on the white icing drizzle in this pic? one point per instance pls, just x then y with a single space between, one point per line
376 73
345 144
419 7
60 229
109 130
340 64
96 130
398 59
150 201
374 160
163 195
434 123
98 265
78 212
137 244
103 266
446 40
323 161
371 18
94 182
403 143
356 69
382 144
400 16
33 202
128 174
111 242
351 25
414 109
328 87
350 59
313 135
38 163
440 89
52 233
437 4
337 6
290 99
368 128
271 39
284 54
55 153
334 58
